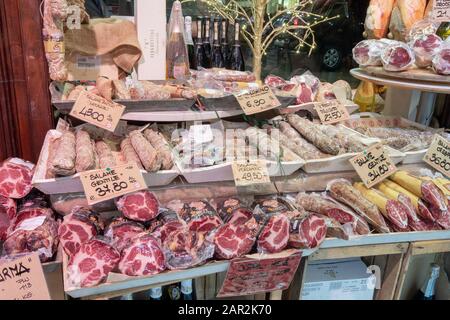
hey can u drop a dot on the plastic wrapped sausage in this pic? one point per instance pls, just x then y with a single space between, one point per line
129 153
86 156
441 61
377 18
160 144
313 134
343 191
145 151
425 48
63 163
368 52
105 156
397 57
347 142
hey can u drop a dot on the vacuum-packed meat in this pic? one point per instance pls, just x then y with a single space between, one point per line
85 152
397 57
63 164
164 152
140 206
105 156
129 153
148 155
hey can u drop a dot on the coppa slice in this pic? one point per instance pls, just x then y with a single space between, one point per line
76 229
140 206
274 236
15 178
92 263
235 240
143 256
306 231
122 231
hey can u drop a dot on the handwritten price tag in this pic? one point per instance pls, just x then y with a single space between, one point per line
438 155
373 165
250 172
23 279
258 100
105 184
332 112
97 110
260 273
441 10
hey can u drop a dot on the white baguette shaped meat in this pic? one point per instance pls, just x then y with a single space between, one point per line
129 153
313 134
63 163
105 156
86 156
145 151
162 147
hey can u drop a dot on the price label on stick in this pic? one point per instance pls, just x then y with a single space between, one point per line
332 112
441 11
23 279
373 165
258 100
97 110
438 155
109 183
250 172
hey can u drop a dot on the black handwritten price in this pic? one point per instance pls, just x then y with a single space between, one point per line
257 100
97 116
106 189
335 115
438 155
373 165
441 10
332 112
251 172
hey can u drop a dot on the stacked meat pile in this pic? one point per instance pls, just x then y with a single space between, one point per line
26 222
75 151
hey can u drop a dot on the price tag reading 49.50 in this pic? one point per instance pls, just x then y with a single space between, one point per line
250 172
332 112
373 165
438 155
98 111
258 100
109 183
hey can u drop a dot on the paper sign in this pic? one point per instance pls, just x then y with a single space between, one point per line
438 155
441 10
109 183
332 112
260 273
250 172
23 279
373 165
98 111
258 100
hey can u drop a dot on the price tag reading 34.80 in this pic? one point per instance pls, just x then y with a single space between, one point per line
438 155
109 183
250 172
332 112
373 165
258 100
97 110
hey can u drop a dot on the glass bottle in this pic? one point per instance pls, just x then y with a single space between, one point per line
217 57
206 43
428 289
200 55
177 55
156 293
190 42
187 292
237 58
226 50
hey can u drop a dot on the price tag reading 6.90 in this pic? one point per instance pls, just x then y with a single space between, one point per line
438 155
98 111
258 100
105 184
250 172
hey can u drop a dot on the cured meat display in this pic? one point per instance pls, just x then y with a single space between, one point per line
306 231
129 153
77 228
121 231
15 178
143 256
63 163
275 234
397 57
86 157
8 210
441 61
163 149
377 19
105 156
146 152
368 52
425 47
404 15
92 263
233 240
140 206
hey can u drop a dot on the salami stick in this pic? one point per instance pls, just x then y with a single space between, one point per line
161 146
85 159
105 157
63 163
129 153
145 151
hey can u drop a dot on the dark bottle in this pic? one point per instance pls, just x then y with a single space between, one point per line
156 293
206 43
174 292
427 292
186 290
190 42
200 55
217 57
226 50
237 58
